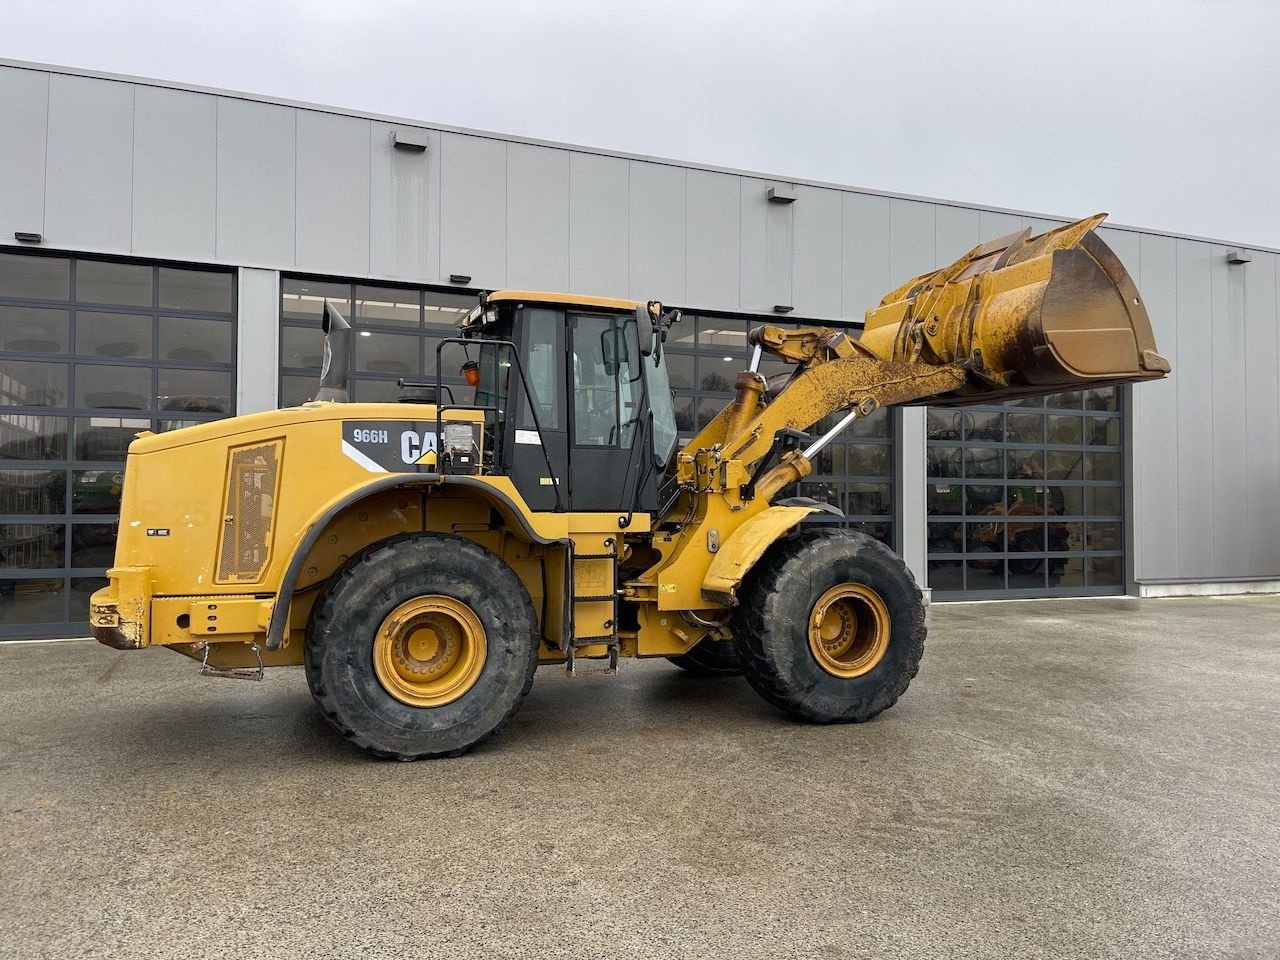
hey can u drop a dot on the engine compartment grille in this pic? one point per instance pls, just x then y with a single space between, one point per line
253 479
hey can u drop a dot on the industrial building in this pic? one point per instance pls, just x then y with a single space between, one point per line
165 251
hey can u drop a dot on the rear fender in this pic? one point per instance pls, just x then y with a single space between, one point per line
514 517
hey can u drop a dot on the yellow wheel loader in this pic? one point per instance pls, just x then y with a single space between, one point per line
422 558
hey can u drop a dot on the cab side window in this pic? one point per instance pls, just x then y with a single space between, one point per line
606 389
542 369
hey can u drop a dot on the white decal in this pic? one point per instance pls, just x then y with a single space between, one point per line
528 436
361 459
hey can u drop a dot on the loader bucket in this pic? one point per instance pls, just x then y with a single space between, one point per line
1023 315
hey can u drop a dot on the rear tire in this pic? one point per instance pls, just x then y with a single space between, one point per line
830 627
710 658
423 646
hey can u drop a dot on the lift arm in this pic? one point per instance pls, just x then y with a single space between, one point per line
1014 317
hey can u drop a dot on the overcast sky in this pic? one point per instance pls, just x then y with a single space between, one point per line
1166 113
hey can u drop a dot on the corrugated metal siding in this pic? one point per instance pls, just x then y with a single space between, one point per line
655 244
400 190
175 150
537 217
598 210
713 217
332 191
1155 421
256 192
88 176
473 209
24 118
1206 454
1262 413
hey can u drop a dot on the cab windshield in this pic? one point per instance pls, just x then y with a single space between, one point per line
662 408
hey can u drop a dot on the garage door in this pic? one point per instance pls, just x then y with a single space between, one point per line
91 352
1027 499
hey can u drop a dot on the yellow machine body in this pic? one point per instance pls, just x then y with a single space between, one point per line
229 531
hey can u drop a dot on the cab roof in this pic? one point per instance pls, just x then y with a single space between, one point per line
568 299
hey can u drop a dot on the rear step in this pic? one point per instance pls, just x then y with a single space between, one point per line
232 673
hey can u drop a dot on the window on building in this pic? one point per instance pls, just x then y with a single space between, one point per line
397 330
91 352
1027 499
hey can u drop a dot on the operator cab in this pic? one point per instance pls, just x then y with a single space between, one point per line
576 397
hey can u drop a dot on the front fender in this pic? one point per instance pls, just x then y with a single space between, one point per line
740 551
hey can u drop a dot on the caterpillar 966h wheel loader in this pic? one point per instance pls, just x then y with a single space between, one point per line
421 559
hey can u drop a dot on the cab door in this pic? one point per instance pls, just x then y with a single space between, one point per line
541 342
605 411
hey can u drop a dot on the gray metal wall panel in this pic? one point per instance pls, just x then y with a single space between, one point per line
24 116
865 250
757 293
1229 401
957 232
399 204
1262 423
1126 245
473 209
537 217
909 475
656 238
1194 376
992 226
1039 225
598 211
766 233
258 341
256 211
332 161
1156 453
89 172
174 174
712 236
912 239
819 236
780 247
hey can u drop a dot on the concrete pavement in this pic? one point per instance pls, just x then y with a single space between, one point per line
1092 779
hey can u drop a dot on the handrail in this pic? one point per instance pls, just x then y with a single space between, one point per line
524 383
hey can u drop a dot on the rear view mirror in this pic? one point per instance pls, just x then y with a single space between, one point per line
647 331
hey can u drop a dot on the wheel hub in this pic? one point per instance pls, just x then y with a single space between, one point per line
429 651
849 630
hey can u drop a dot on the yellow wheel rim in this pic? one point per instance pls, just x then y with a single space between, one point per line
849 630
429 651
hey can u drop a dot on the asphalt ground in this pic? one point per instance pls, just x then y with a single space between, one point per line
1089 779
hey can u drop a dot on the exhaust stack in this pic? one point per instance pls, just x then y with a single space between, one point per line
337 356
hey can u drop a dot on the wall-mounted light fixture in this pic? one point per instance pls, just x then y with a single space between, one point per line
23 236
411 141
1239 256
781 194
459 278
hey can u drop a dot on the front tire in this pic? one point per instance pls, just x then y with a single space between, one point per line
423 646
830 627
710 658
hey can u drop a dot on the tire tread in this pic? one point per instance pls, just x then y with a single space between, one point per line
752 627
